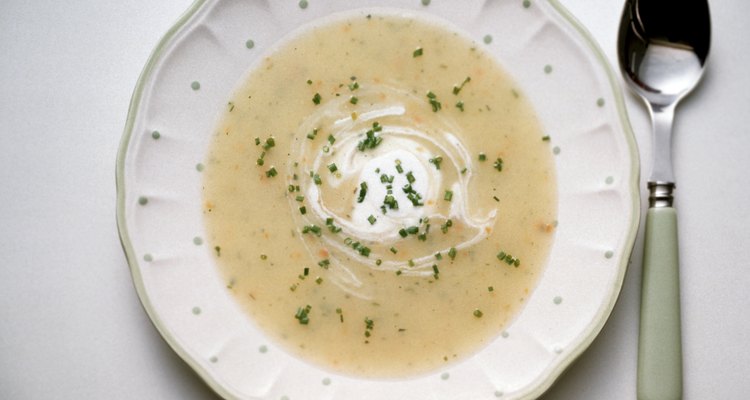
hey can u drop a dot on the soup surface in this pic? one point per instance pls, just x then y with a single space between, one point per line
380 196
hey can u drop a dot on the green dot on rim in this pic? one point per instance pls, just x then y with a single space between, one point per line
556 150
557 300
263 349
156 135
250 44
609 180
526 3
326 381
195 85
609 254
199 167
303 4
213 359
547 69
196 310
487 39
444 376
143 200
425 2
600 102
148 257
498 393
197 240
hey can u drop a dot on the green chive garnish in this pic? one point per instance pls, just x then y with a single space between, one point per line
498 165
452 253
271 172
302 314
362 192
316 98
482 156
332 167
418 52
448 195
478 313
372 219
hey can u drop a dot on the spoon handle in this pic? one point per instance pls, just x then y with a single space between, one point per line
660 345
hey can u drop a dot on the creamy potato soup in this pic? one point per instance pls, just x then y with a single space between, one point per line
379 196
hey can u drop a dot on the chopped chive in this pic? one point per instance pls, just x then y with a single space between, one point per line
372 219
460 105
436 161
412 230
448 195
482 156
218 251
271 172
300 198
432 99
353 86
438 256
263 257
364 251
303 210
331 139
326 149
270 142
290 188
354 100
324 263
452 253
398 272
457 89
371 141
418 52
332 167
444 227
411 263
306 271
309 82
257 141
399 168
478 313
546 138
496 199
302 314
410 177
260 162
378 261
316 98
316 179
394 250
498 165
362 192
402 232
319 280
313 133
435 271
490 289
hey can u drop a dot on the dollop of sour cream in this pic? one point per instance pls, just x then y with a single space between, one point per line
384 187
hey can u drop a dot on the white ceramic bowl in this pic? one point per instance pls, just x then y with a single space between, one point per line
178 99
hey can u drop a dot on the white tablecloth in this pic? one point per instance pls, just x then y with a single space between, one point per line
72 327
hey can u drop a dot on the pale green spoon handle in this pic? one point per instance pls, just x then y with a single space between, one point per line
659 343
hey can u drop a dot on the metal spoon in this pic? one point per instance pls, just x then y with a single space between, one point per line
662 48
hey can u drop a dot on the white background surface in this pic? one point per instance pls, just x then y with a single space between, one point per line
72 327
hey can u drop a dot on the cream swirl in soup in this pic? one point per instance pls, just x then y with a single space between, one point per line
380 196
